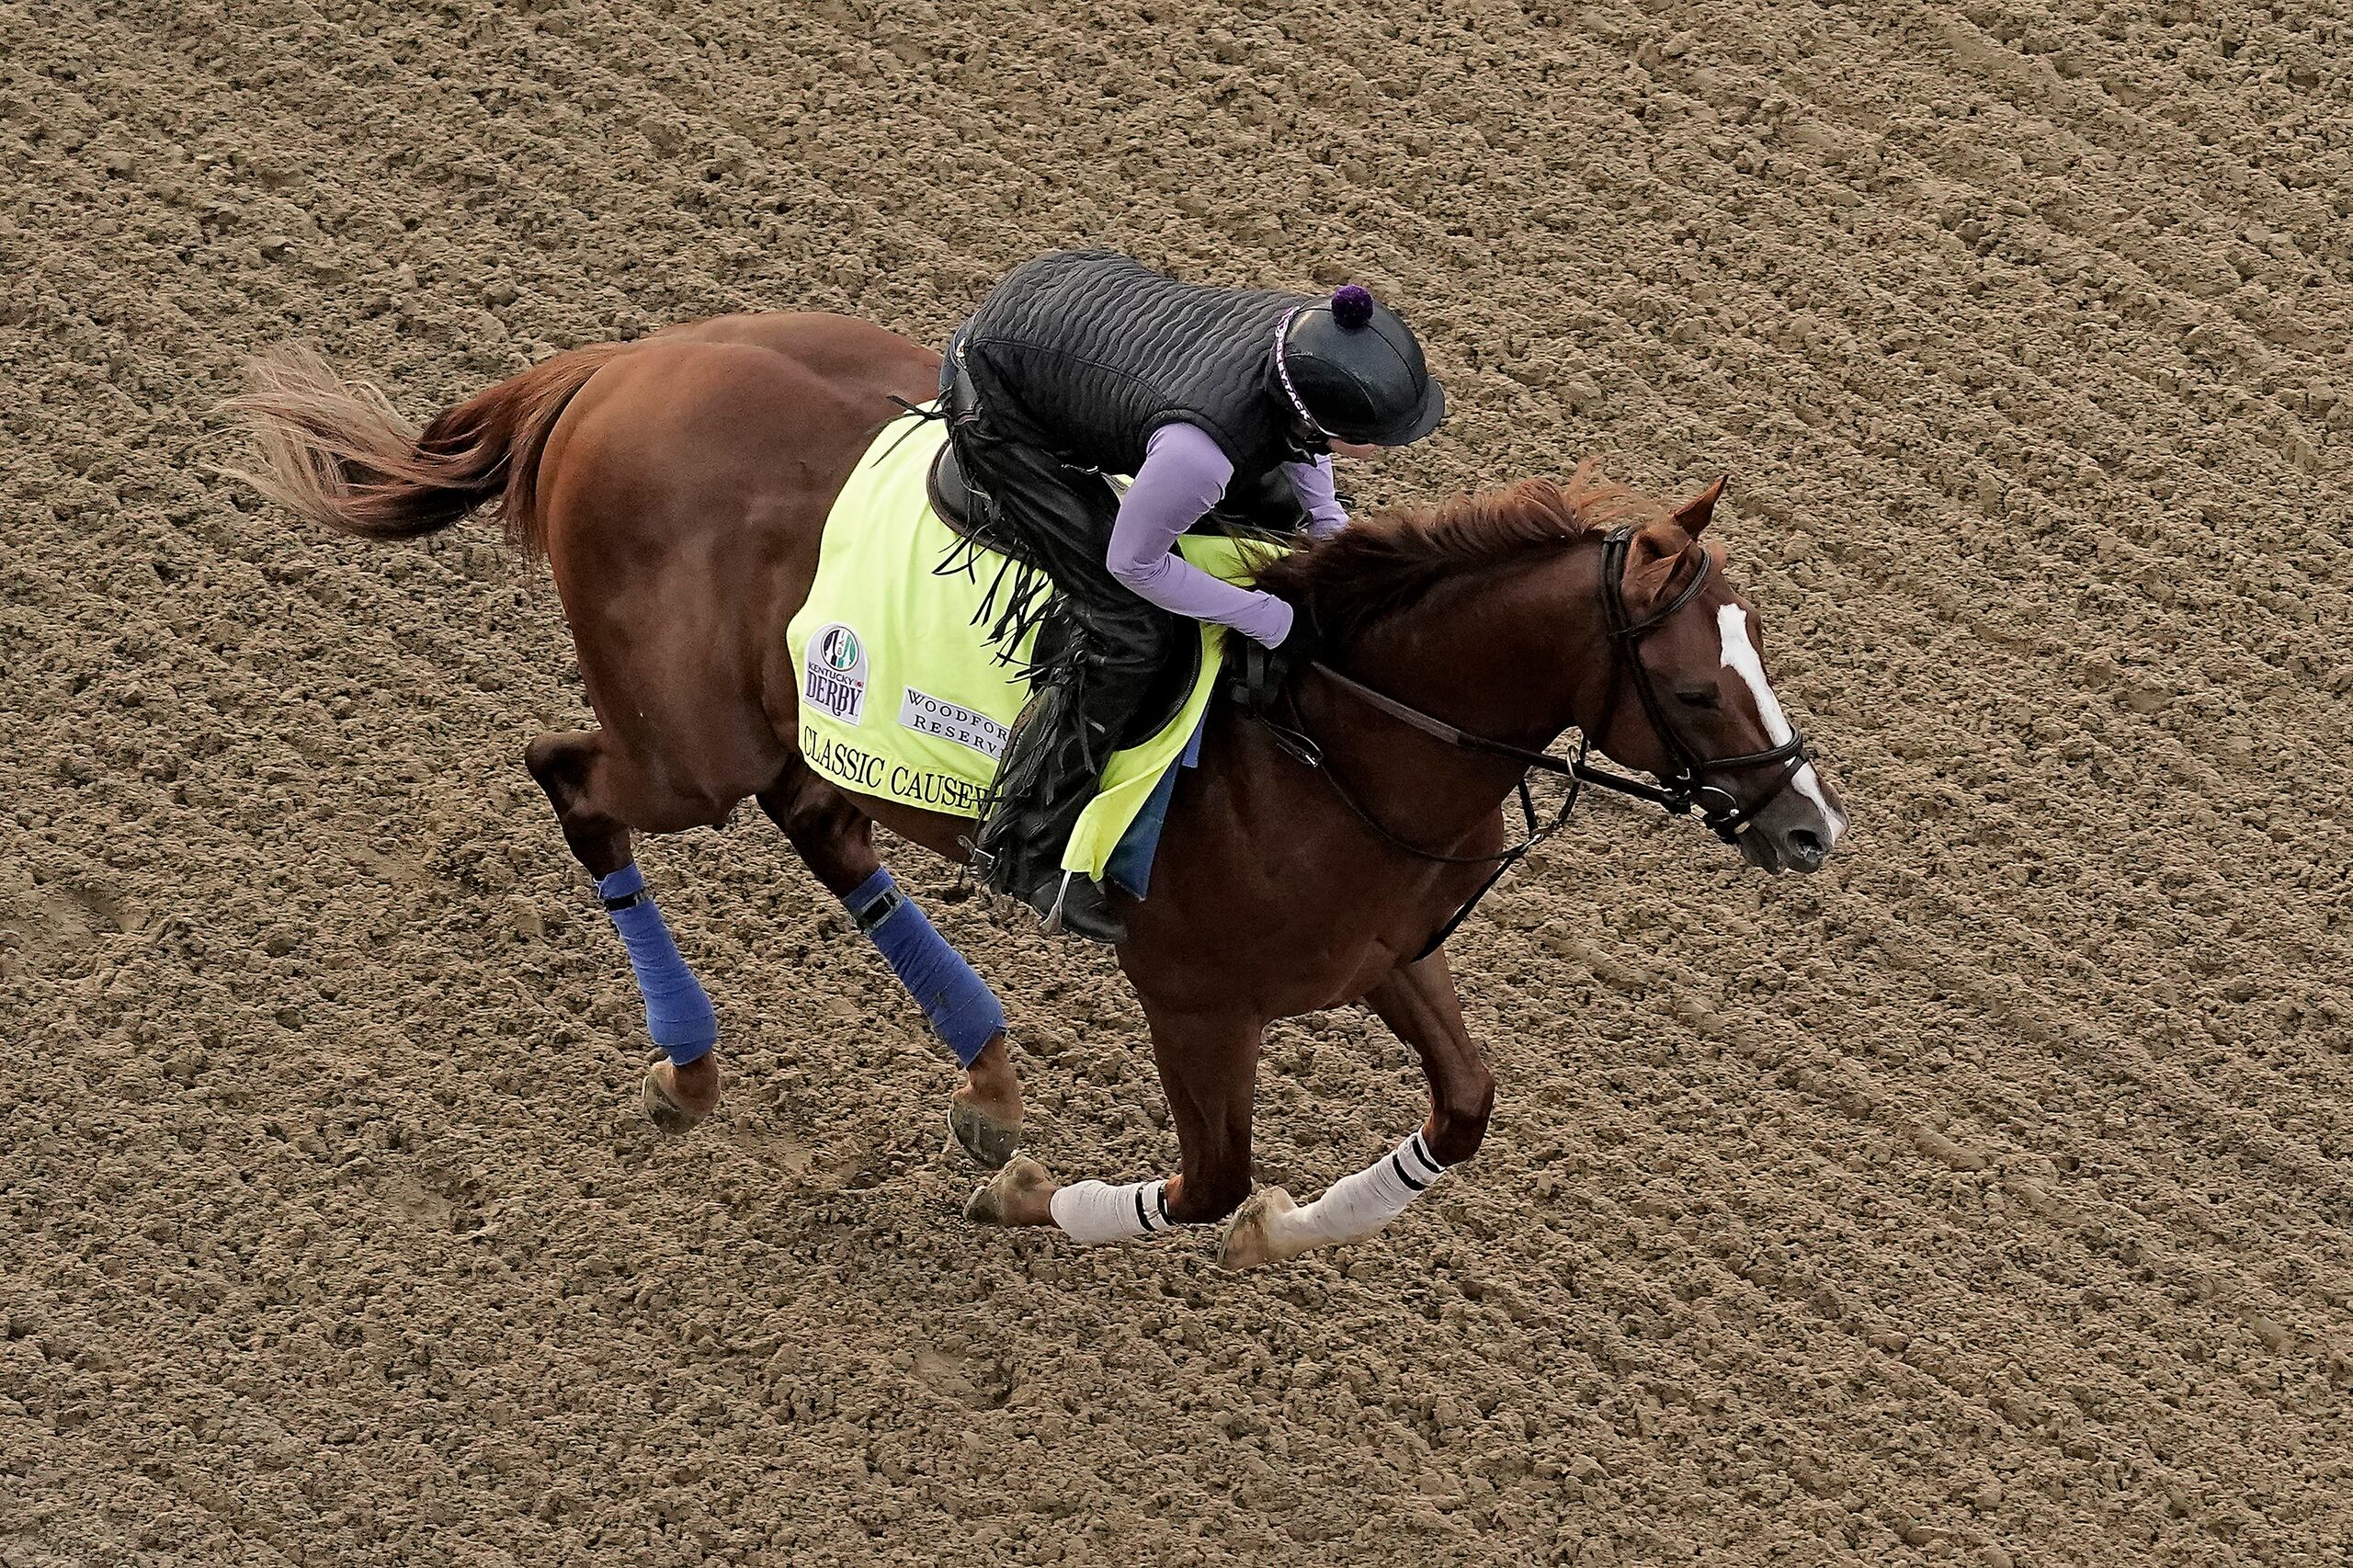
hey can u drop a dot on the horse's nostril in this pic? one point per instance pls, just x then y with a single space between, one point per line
1808 847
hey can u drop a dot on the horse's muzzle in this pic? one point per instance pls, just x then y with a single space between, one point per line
1798 830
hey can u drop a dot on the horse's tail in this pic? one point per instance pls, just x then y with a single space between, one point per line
336 453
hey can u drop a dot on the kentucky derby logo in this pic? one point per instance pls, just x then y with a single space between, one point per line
836 679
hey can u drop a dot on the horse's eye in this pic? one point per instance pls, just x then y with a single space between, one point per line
1699 696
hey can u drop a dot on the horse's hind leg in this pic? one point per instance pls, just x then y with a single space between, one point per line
578 770
1417 1002
836 840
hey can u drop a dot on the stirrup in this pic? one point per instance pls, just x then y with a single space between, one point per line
1053 912
980 862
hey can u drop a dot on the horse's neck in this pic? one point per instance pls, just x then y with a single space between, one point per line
1509 655
1507 658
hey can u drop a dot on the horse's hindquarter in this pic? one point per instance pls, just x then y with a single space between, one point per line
685 495
850 356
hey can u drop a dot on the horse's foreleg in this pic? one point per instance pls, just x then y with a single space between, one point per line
837 841
1209 1067
578 771
1417 1002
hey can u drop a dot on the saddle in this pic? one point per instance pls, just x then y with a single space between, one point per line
951 499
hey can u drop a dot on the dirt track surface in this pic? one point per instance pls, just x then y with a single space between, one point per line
1985 1200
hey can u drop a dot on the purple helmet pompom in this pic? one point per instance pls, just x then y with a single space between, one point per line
1352 305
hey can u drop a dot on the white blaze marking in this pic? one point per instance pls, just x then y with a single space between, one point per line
1740 654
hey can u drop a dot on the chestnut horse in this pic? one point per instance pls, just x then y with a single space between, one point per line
679 486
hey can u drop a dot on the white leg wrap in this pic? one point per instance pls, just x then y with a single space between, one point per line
1093 1212
1356 1206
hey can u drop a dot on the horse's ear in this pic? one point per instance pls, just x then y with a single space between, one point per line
1655 557
1693 515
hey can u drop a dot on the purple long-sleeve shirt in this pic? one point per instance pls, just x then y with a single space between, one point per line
1184 473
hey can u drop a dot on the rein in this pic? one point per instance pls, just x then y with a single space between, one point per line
1679 792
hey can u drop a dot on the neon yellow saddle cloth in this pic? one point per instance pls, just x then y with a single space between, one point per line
903 697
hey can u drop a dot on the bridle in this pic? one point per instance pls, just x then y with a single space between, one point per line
1686 789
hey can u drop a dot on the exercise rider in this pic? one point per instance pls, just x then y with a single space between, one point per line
1086 363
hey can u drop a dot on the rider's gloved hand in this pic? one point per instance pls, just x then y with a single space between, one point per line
1261 672
1304 644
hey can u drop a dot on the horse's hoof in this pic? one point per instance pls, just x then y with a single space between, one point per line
991 1142
662 1107
1249 1240
1018 1195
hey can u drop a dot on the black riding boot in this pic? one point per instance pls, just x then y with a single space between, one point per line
1099 646
1052 761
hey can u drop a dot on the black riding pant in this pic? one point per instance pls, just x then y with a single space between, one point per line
1099 645
1059 519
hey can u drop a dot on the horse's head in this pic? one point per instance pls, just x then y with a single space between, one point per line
1689 701
1452 620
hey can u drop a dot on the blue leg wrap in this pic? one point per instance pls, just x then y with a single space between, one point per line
962 1009
677 1014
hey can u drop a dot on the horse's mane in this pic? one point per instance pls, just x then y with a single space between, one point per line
1384 564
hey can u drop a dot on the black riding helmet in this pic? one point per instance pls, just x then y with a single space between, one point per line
1351 369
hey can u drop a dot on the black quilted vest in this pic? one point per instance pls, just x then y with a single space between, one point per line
1096 351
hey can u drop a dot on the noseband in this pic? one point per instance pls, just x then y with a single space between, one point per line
1681 792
